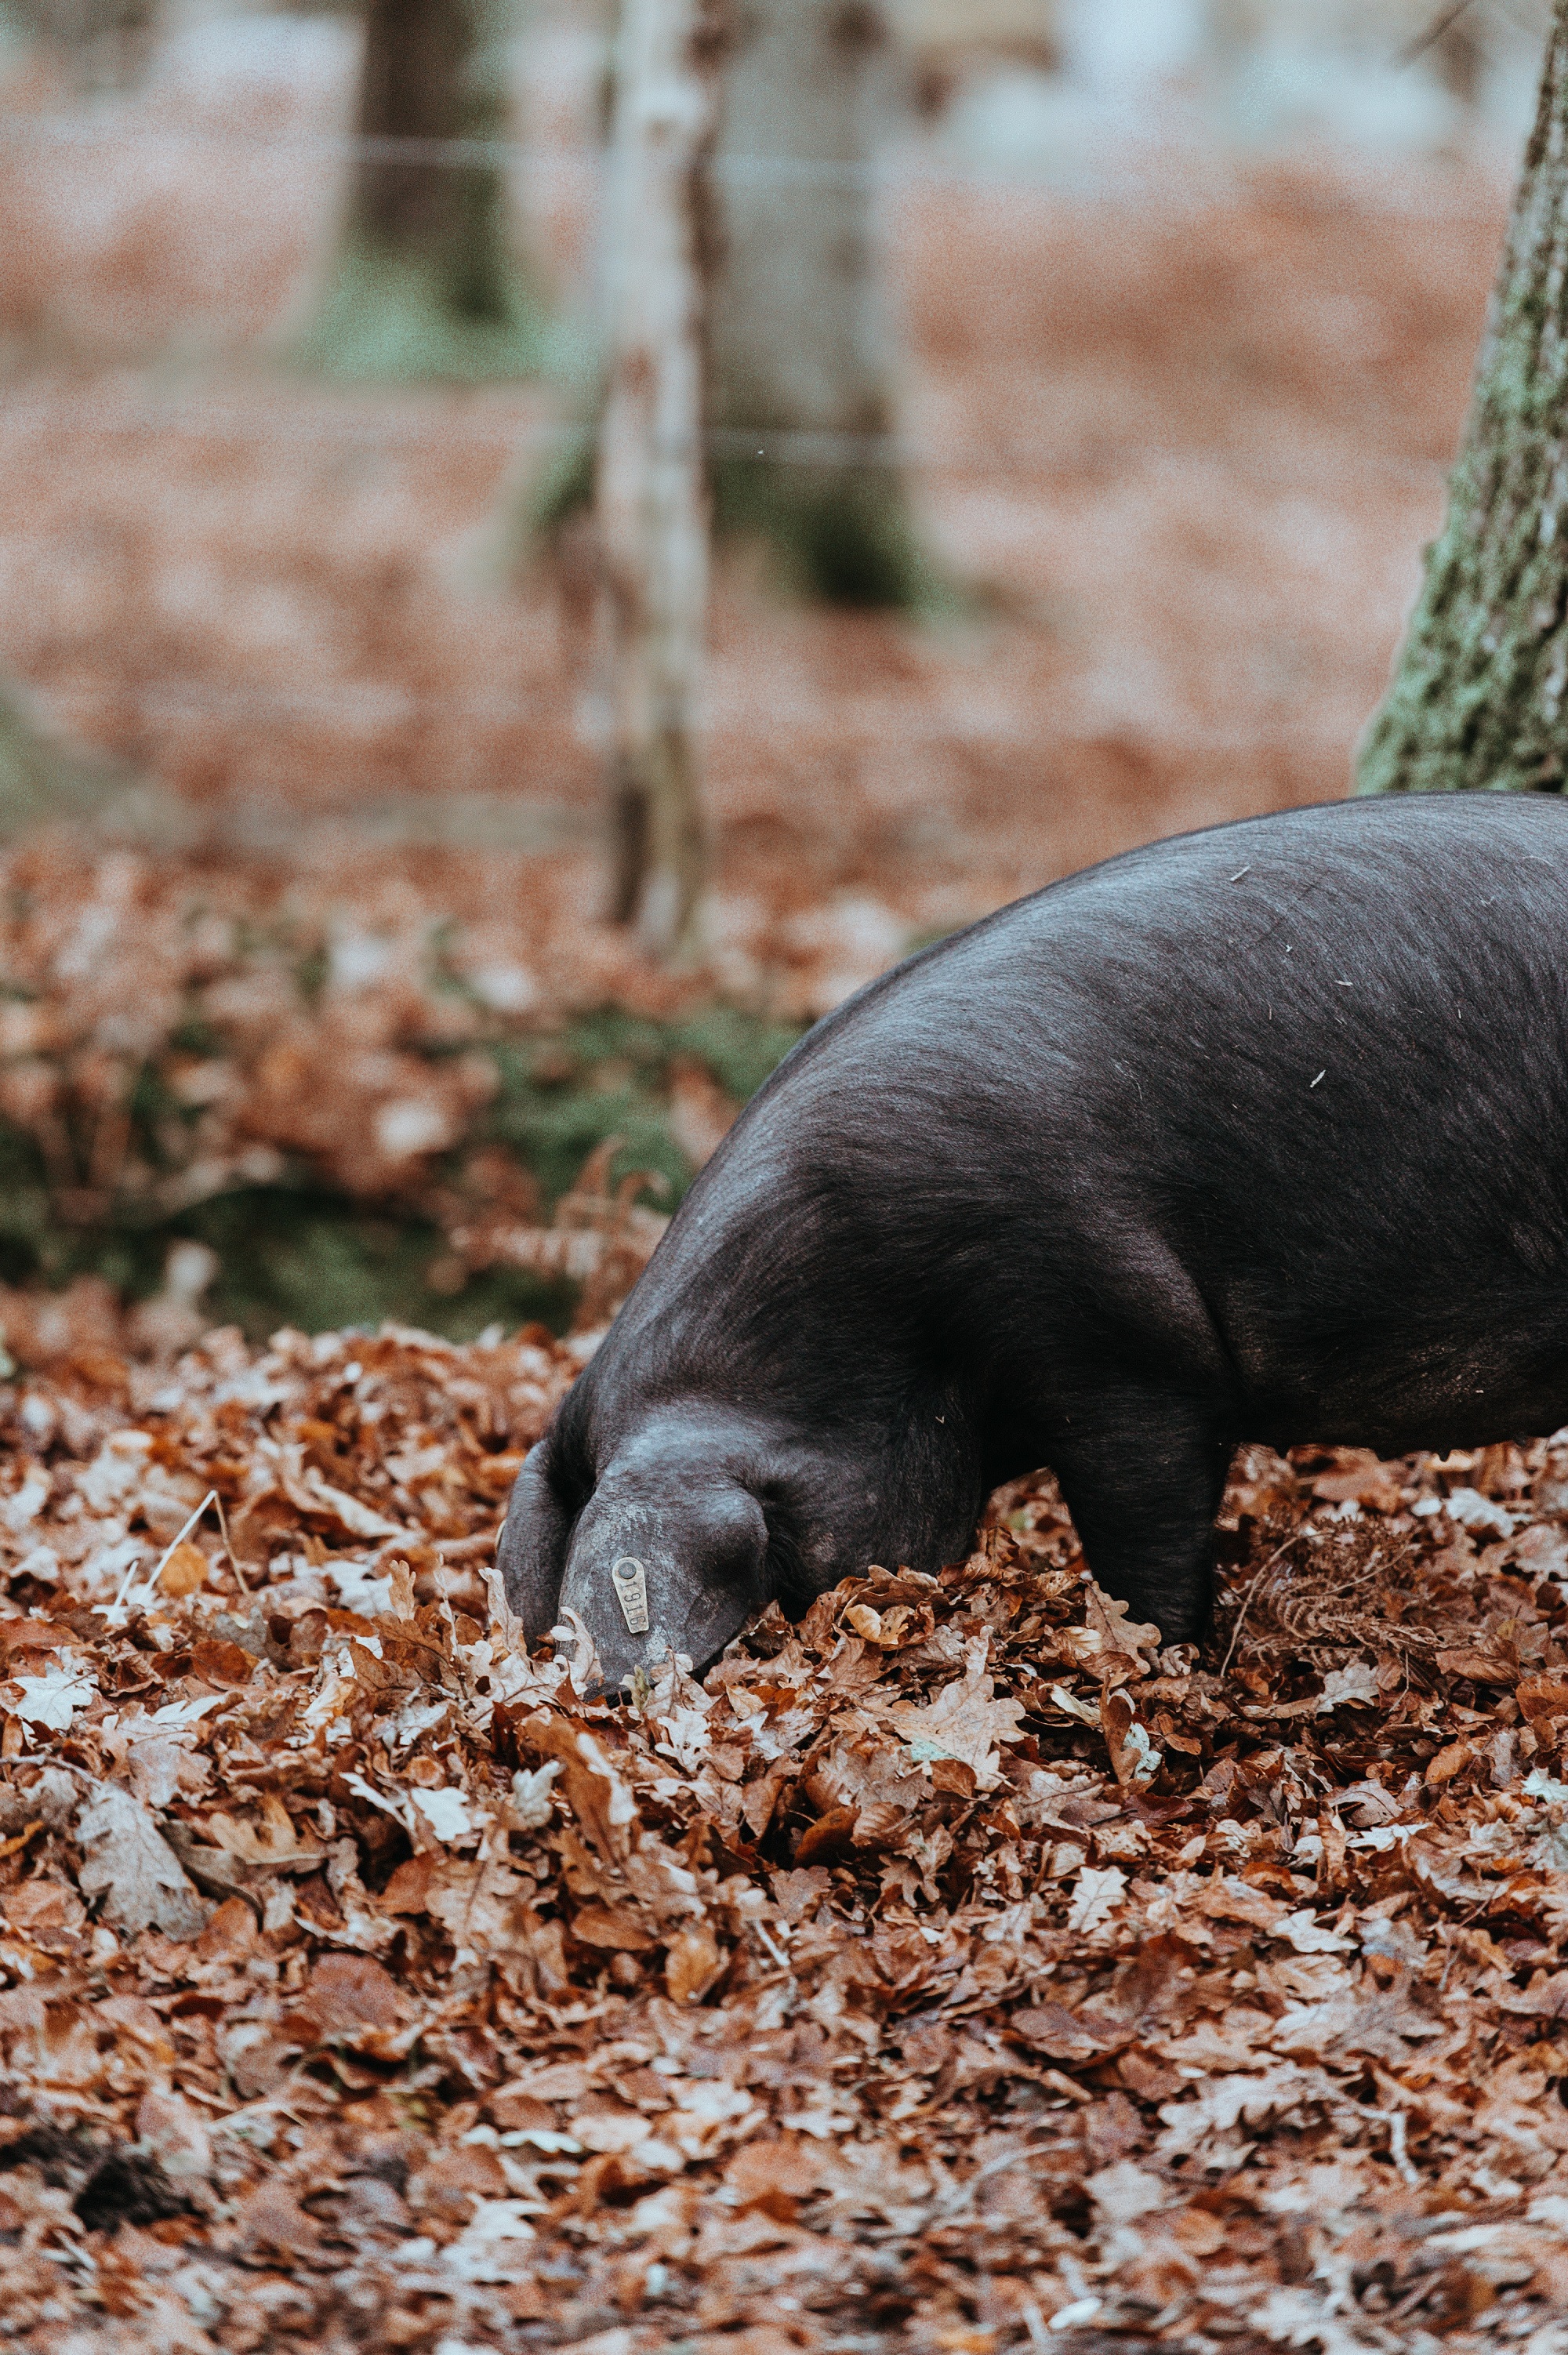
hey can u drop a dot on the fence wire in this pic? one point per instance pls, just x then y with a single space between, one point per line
361 706
1137 165
200 416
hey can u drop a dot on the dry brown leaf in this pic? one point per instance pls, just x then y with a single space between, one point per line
1119 1637
966 1721
131 1867
1479 1666
1136 1758
1358 1475
351 1999
693 1960
185 1572
274 1839
614 1927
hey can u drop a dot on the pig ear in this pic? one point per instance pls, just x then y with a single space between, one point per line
731 1581
531 1555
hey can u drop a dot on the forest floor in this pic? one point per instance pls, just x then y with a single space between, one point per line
954 1971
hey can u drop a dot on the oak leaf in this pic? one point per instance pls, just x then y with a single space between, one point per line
693 1960
1135 1759
611 1926
1066 2035
964 1720
127 1860
1096 1893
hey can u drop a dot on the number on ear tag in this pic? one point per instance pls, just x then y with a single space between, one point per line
630 1582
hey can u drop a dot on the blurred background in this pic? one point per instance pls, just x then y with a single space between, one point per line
1080 378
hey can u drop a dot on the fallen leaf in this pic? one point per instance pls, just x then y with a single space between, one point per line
1357 1681
1359 1478
1448 1761
1066 2035
53 1699
1118 1634
351 1999
220 1663
1541 1696
447 1812
964 1722
1096 1893
185 1572
1479 1666
611 1926
127 1862
274 1838
1135 1759
692 1962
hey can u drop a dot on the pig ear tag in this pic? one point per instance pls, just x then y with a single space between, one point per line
631 1583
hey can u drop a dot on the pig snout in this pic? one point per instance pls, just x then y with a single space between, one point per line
649 1579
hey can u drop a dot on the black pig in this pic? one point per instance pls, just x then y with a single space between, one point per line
1260 1134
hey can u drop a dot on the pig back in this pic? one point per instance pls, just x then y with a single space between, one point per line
1285 1096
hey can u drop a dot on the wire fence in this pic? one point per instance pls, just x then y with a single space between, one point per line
850 718
1127 171
70 412
200 416
460 154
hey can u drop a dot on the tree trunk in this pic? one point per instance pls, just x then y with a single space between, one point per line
650 496
1476 698
801 367
424 283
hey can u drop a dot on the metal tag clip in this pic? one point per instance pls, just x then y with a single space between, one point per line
630 1582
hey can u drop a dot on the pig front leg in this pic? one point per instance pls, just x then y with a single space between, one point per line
1142 1474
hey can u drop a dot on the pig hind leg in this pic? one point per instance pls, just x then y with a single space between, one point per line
1143 1476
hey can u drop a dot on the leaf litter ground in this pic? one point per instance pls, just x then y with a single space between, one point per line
953 1971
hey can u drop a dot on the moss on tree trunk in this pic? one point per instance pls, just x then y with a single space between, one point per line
801 457
801 363
424 283
1477 695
